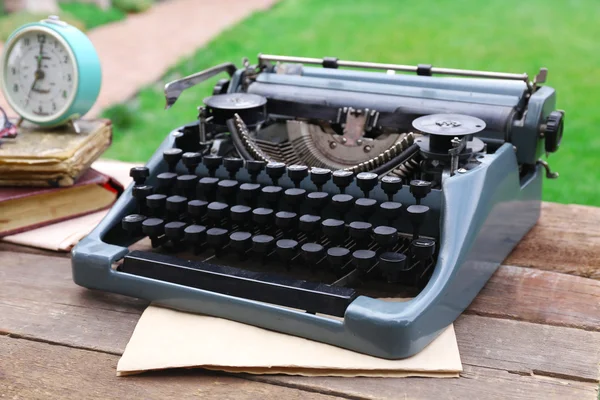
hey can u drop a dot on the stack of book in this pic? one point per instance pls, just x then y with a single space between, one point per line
45 176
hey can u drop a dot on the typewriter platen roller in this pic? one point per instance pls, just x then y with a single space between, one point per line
303 194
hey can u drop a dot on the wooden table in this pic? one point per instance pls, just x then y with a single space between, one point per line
533 332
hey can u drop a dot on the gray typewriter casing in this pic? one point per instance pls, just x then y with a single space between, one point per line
483 212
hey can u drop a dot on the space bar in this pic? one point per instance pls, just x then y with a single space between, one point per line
311 296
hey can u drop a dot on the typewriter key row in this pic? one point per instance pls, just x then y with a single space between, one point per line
366 181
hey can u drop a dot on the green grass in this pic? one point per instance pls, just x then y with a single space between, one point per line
91 15
10 22
496 35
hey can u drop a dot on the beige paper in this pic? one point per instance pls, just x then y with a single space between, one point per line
62 236
165 338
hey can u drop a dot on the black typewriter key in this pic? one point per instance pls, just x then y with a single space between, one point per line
132 224
422 250
254 168
197 209
217 238
212 163
174 230
165 182
320 176
342 179
172 157
272 194
317 201
334 229
176 205
186 185
241 215
338 257
366 181
191 160
297 173
312 253
195 235
419 189
417 215
250 192
360 231
286 249
263 217
263 245
153 228
310 225
294 197
342 203
156 204
392 265
385 236
275 170
216 211
240 242
140 192
233 165
207 188
286 221
139 174
227 189
365 207
390 210
391 185
364 259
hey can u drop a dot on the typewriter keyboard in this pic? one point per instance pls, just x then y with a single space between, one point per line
306 244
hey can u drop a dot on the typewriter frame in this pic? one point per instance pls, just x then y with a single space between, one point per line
492 208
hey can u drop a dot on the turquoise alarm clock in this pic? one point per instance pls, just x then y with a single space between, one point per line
51 72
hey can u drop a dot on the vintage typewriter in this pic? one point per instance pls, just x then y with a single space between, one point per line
304 196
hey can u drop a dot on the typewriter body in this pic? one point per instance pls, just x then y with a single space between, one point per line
304 196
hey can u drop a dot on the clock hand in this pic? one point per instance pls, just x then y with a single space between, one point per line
39 74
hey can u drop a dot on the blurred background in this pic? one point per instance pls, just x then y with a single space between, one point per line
496 35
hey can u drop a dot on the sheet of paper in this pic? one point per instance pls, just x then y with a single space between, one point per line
165 338
64 235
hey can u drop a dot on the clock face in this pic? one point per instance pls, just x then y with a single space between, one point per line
40 75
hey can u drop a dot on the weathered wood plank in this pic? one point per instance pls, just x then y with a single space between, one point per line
32 370
566 239
475 383
40 302
540 296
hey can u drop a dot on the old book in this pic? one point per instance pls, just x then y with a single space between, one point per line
52 157
22 209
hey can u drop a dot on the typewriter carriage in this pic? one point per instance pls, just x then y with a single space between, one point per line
484 207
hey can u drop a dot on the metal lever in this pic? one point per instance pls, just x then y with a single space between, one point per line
549 173
174 89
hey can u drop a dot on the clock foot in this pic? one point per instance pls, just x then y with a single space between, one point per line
74 126
19 122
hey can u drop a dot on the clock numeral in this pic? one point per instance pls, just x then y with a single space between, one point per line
64 94
53 106
40 109
13 70
15 88
26 41
41 38
66 59
69 78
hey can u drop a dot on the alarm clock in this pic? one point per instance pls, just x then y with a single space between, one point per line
51 72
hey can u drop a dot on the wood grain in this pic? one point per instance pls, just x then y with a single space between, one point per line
540 296
40 302
32 370
475 383
566 239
